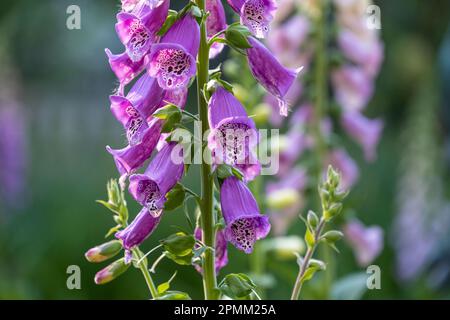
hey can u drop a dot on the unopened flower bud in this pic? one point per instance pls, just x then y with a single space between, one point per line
332 236
312 219
333 177
317 264
104 251
111 272
333 211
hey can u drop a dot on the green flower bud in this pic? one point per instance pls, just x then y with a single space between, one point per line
113 192
333 211
104 251
111 272
312 219
332 236
333 177
317 264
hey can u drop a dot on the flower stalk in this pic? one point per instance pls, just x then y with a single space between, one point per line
306 260
207 215
331 197
142 264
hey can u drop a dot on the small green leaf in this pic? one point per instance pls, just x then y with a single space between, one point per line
179 244
172 116
237 286
112 231
171 19
163 287
185 260
110 206
224 171
174 295
175 197
236 36
309 238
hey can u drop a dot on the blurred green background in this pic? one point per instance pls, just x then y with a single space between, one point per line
63 82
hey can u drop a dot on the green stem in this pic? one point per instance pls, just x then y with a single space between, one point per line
304 266
321 86
320 109
147 276
207 214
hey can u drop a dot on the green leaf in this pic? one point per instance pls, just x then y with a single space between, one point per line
112 231
351 287
224 171
313 266
175 197
171 19
237 286
216 72
163 287
179 244
309 238
110 206
174 295
185 260
236 35
172 116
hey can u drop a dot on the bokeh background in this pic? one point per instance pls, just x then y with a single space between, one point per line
59 80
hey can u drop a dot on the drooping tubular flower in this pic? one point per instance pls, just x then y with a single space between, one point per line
244 223
123 67
215 23
132 157
173 60
365 131
134 109
163 172
138 30
138 230
233 134
269 72
353 88
220 249
256 15
367 242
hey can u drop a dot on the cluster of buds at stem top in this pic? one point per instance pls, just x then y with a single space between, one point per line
331 195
